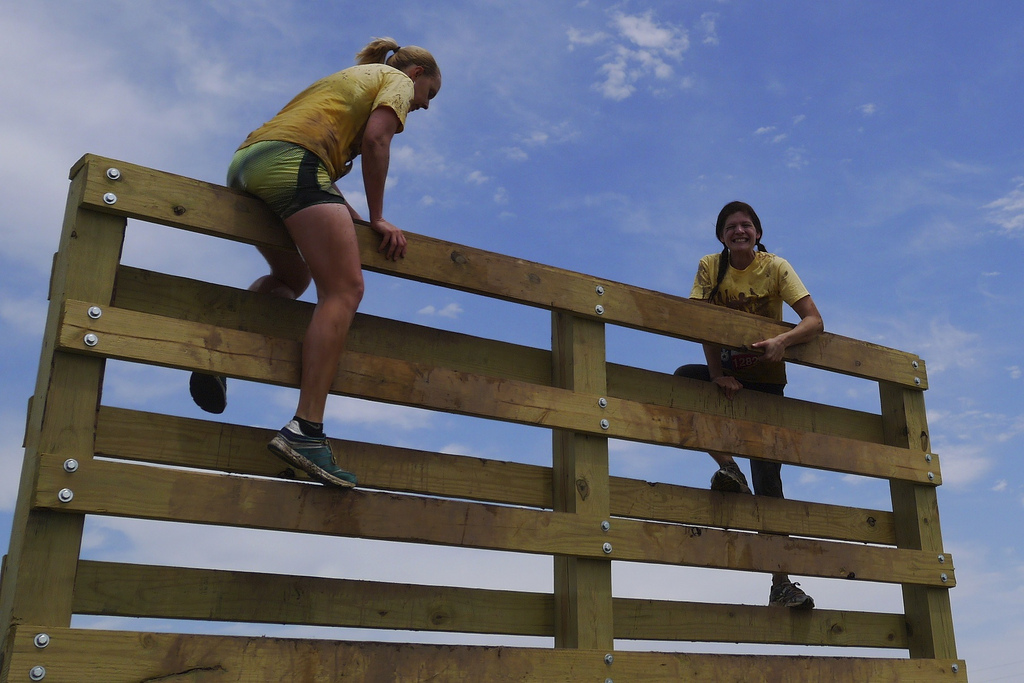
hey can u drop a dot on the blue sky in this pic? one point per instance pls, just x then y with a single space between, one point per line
879 142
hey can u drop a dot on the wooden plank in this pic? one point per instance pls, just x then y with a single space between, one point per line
645 386
916 516
140 337
123 489
638 499
710 623
579 475
170 440
214 210
128 590
195 301
43 548
87 656
176 297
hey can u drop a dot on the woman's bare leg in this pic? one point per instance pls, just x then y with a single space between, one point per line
326 238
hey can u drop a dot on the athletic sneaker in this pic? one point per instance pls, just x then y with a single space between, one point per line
310 454
210 392
788 594
730 479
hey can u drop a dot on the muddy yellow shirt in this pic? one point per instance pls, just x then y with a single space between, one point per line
328 117
760 288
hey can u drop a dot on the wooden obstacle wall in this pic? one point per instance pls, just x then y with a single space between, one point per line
86 458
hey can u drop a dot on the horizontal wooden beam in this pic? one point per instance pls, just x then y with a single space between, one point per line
168 199
133 590
148 492
202 444
75 655
130 590
129 335
196 301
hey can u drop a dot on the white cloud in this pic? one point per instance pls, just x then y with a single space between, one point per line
578 37
1008 212
501 196
964 464
764 130
708 22
452 310
11 456
23 316
536 138
348 410
1000 485
515 153
867 109
1014 371
796 158
420 160
947 346
640 48
477 178
644 32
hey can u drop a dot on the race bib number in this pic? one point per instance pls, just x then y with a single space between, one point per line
739 360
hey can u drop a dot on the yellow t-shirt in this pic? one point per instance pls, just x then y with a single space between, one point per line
760 288
328 117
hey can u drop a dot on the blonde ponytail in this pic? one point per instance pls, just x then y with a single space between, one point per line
376 52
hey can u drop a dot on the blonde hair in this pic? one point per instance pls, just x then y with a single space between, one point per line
376 52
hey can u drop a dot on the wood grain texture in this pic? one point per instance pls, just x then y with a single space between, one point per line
123 489
85 656
214 210
130 335
238 449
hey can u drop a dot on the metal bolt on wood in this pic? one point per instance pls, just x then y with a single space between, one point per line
917 381
914 364
607 548
954 668
70 465
944 578
608 659
113 174
599 309
91 339
605 525
603 402
927 457
109 198
94 312
37 673
600 290
65 495
41 640
605 424
931 476
942 558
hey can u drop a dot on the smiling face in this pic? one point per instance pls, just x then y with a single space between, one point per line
740 236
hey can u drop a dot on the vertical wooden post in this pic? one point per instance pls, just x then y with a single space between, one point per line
916 511
43 556
583 587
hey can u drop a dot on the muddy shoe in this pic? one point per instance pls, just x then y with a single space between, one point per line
310 454
788 594
730 479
